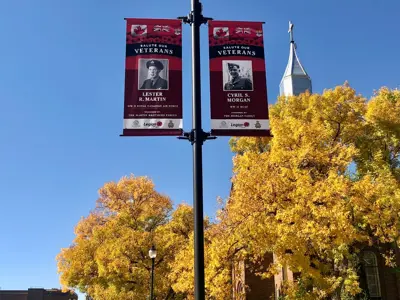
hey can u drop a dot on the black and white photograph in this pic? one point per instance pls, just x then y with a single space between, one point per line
237 75
153 74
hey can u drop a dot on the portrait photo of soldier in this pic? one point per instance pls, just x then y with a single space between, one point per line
238 75
153 74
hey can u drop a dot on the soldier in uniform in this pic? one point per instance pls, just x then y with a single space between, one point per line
155 82
237 82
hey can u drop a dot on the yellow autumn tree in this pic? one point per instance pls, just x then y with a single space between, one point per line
108 258
323 187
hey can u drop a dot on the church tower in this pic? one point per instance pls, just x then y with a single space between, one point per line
295 80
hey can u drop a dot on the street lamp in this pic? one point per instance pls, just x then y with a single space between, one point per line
152 254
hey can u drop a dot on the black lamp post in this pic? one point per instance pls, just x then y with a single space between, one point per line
152 254
197 137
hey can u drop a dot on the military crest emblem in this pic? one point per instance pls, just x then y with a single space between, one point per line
136 123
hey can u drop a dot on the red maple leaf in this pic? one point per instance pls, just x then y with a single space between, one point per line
246 124
159 123
138 30
220 32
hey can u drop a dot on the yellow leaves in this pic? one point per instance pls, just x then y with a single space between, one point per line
182 272
135 195
384 109
295 199
390 258
291 196
246 144
376 203
380 144
109 257
351 283
312 132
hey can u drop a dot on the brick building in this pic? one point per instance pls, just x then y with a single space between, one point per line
381 281
37 294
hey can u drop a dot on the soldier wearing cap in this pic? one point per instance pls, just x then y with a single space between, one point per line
237 82
155 82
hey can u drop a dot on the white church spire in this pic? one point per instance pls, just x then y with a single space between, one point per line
295 80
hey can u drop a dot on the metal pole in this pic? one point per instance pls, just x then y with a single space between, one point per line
152 280
198 139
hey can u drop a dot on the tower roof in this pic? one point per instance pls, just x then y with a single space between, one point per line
295 80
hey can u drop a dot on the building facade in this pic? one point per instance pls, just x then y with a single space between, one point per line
37 294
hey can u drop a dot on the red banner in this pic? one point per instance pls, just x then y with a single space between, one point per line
153 77
239 105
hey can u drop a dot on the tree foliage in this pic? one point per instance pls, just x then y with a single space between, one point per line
323 187
109 255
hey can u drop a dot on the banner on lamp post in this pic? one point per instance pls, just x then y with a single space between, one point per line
153 78
238 90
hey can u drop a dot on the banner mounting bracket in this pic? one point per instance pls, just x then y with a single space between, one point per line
193 137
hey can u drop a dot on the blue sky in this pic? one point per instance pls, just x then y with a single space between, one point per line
61 105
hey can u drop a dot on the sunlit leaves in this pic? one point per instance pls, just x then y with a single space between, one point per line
109 255
323 187
293 194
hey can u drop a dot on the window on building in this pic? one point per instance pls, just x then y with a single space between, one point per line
372 274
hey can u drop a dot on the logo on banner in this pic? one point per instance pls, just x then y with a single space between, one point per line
152 124
171 124
136 123
240 125
139 30
257 125
221 32
223 125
